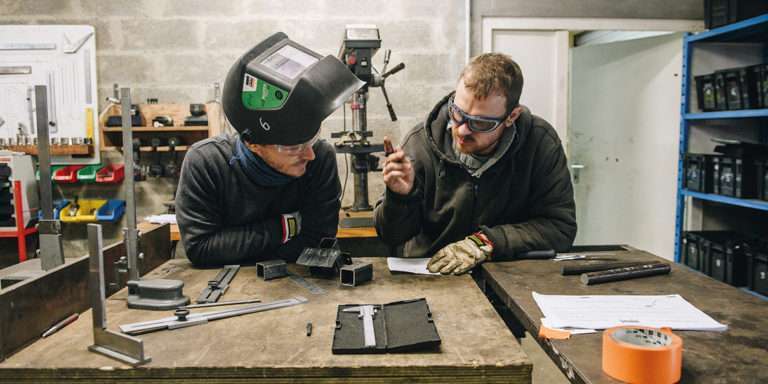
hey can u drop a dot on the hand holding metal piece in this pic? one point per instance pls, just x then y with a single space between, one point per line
398 169
366 312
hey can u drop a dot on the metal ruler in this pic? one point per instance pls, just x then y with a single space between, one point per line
304 283
182 321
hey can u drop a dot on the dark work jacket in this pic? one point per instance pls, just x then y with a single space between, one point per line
522 202
226 218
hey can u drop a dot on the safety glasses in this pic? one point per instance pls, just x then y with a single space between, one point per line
298 148
481 124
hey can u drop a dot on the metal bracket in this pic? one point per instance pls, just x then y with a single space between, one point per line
218 286
129 350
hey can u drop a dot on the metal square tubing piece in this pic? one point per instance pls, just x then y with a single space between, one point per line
271 269
355 274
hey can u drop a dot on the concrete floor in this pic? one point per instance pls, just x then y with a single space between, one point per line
544 370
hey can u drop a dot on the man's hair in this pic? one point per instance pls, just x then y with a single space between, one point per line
491 73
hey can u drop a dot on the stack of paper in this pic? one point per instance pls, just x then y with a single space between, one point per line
606 311
409 265
168 218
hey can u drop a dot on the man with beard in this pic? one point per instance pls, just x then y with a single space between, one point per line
481 179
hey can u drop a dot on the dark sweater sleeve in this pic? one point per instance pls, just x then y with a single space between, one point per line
397 217
551 220
320 206
207 239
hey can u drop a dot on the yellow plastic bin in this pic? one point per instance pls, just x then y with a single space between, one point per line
86 213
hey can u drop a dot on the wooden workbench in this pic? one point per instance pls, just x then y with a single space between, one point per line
739 355
273 346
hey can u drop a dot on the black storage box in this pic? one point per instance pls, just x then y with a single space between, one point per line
698 172
761 77
732 176
721 97
401 326
690 250
722 12
758 270
705 92
727 259
761 168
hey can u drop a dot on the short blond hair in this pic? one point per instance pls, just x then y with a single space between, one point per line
491 73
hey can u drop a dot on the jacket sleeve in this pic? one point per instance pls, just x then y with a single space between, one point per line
551 218
320 205
207 239
398 218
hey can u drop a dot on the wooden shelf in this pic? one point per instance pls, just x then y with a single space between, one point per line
55 150
195 128
179 148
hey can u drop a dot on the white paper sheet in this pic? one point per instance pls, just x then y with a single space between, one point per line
574 331
605 311
162 219
410 265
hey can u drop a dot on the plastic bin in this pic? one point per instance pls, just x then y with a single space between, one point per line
111 174
111 211
57 206
54 168
87 174
67 174
85 214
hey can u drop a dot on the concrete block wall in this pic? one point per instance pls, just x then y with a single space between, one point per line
175 50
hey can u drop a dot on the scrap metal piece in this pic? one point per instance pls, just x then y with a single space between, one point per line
366 312
129 350
271 269
183 320
219 285
355 274
324 260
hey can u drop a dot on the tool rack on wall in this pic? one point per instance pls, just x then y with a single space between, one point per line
700 206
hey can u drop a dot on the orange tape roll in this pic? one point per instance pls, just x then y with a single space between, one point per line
642 354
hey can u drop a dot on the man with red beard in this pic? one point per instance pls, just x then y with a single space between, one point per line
481 179
272 189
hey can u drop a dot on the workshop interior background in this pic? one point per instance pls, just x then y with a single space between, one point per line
175 51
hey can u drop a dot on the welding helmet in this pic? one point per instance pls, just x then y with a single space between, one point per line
279 91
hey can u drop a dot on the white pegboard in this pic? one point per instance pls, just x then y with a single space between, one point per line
62 58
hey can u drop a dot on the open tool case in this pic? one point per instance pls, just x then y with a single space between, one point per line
401 326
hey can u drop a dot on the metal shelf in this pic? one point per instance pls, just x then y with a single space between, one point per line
747 203
750 30
741 114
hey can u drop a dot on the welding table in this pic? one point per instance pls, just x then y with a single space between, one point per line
273 347
739 355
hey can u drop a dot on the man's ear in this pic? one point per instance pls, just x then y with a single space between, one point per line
512 117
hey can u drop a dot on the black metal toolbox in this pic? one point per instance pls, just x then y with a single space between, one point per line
698 172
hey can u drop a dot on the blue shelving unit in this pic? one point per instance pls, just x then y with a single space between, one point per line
754 30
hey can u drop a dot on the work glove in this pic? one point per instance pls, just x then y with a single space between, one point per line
291 225
459 257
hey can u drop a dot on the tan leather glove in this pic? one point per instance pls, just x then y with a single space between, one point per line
461 256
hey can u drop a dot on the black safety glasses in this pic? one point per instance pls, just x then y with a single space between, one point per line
475 123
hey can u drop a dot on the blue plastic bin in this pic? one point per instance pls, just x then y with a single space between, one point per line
112 211
57 206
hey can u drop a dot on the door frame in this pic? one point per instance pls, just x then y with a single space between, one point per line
490 25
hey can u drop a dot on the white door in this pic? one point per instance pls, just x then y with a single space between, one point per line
543 58
624 130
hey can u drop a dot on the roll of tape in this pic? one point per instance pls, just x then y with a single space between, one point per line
642 354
